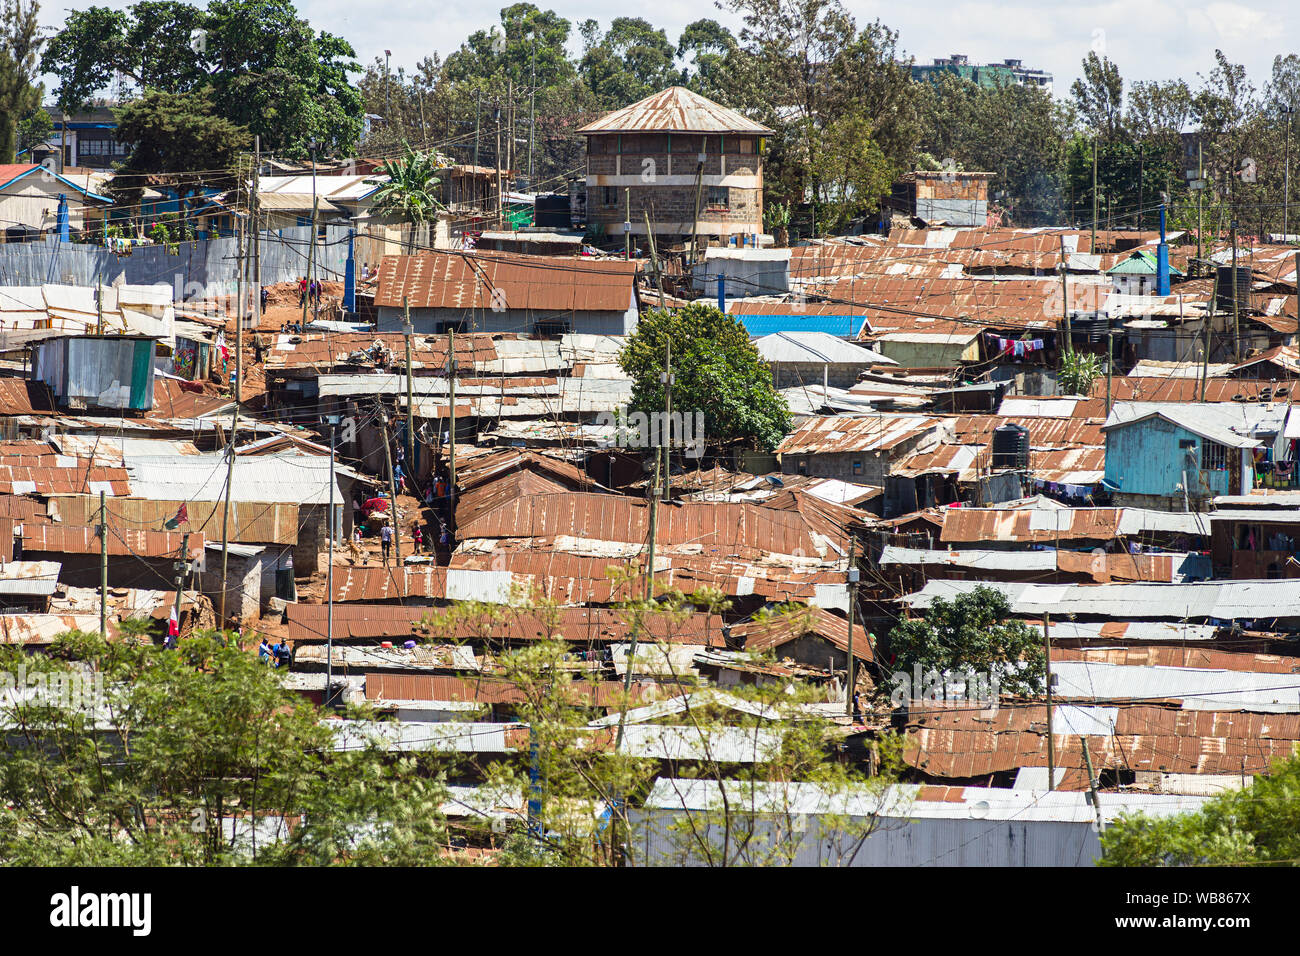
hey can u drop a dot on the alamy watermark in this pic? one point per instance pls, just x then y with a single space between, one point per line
66 690
657 430
966 686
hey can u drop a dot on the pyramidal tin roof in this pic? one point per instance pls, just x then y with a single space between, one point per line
675 110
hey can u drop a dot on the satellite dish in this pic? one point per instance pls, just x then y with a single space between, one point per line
774 481
980 810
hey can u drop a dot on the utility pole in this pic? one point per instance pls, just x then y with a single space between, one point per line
410 389
256 211
1093 247
451 419
1200 193
654 257
478 104
1065 299
1210 311
392 490
648 596
1092 785
532 108
225 514
1051 742
627 223
667 378
311 248
1286 175
850 672
241 265
1236 327
329 589
103 567
695 223
501 216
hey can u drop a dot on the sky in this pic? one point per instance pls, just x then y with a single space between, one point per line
1153 40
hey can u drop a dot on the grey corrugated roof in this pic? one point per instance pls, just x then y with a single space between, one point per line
293 479
1198 688
1217 600
1229 423
982 560
818 347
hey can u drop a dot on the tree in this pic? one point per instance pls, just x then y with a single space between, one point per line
717 371
19 42
34 129
173 135
1078 371
1257 825
410 194
627 63
582 786
974 632
850 170
710 53
262 65
128 754
1099 96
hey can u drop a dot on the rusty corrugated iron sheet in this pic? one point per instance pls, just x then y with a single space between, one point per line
307 623
780 630
675 110
39 629
77 479
965 525
1149 389
833 433
1043 432
83 539
250 522
490 690
1182 656
961 743
447 280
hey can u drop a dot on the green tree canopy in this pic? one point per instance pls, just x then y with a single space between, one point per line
262 65
716 369
411 192
182 752
628 62
19 95
172 135
973 631
1259 824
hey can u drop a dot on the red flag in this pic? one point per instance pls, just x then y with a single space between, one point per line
183 514
173 625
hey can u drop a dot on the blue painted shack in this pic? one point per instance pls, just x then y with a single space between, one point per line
1172 456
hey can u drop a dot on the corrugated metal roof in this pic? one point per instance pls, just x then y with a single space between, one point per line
500 281
962 525
832 434
1197 601
1229 423
41 629
296 479
74 539
674 110
817 348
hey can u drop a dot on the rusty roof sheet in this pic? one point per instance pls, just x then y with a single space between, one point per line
307 622
78 477
946 459
40 629
83 539
1028 525
674 110
586 516
834 433
448 280
1182 656
250 522
960 743
1184 390
490 690
1082 465
1044 433
782 629
173 399
19 396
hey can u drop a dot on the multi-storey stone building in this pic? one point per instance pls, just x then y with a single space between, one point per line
693 165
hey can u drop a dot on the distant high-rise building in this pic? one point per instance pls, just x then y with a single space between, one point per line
986 74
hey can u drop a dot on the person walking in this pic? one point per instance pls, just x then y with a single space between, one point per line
302 291
418 538
386 540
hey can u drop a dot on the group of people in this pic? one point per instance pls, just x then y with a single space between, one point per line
306 289
277 655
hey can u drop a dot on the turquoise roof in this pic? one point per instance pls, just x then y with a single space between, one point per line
1139 263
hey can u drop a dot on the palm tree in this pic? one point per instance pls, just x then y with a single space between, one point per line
410 194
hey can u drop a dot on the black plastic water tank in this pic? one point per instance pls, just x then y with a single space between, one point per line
1011 446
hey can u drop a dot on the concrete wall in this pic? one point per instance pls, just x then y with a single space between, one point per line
207 263
874 466
837 374
243 583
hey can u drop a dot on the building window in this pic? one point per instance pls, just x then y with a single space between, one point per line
719 197
857 467
551 328
610 196
746 145
1214 457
